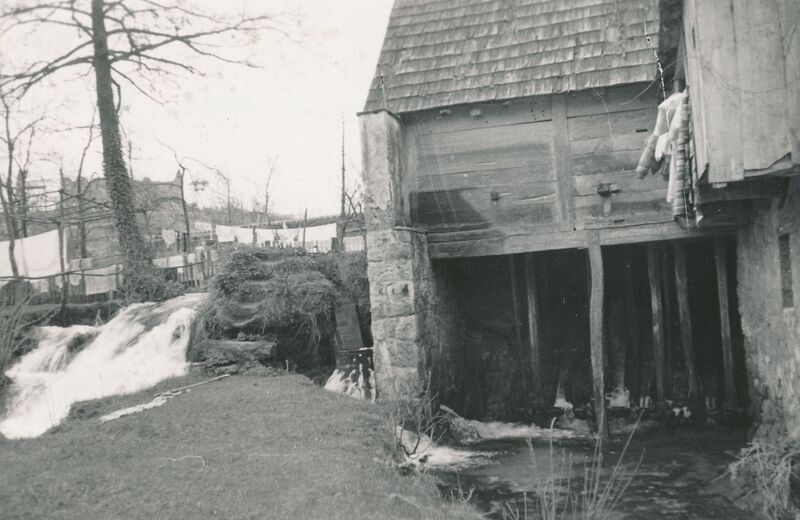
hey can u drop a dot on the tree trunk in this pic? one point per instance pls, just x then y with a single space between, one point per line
22 187
81 222
117 181
8 212
188 240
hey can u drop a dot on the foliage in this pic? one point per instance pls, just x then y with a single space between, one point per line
143 284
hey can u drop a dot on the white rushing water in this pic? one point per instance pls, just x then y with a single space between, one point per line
141 346
421 450
353 384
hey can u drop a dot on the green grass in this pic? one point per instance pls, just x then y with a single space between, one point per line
242 447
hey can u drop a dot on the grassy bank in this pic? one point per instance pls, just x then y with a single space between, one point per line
242 447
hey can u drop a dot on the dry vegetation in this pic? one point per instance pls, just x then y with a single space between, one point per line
288 293
765 475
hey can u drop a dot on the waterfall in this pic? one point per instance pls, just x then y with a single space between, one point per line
141 346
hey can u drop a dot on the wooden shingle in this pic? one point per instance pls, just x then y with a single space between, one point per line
440 53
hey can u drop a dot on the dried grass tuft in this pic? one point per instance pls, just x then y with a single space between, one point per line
763 475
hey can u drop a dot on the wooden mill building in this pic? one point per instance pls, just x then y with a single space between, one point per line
516 258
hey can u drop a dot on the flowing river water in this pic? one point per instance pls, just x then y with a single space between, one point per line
141 346
673 474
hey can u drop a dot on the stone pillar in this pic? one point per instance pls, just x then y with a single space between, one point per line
390 259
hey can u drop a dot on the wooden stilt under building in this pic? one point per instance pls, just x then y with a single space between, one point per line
695 389
720 258
512 266
654 275
534 350
596 336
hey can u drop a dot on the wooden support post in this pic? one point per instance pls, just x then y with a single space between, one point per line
512 266
666 285
633 320
534 347
596 336
685 317
725 319
654 275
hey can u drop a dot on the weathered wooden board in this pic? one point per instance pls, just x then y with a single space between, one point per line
611 124
613 99
694 83
610 145
762 83
537 175
525 203
789 21
624 181
484 148
483 115
721 97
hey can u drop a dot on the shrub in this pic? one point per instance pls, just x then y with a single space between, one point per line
285 292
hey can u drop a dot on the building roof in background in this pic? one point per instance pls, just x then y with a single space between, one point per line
439 53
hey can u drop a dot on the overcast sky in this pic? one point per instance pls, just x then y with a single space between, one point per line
234 118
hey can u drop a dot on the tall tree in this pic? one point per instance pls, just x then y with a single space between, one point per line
131 40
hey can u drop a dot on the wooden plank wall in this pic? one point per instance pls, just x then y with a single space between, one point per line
479 171
608 129
741 64
527 172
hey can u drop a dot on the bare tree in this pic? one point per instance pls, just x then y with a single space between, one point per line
12 138
80 189
273 163
130 41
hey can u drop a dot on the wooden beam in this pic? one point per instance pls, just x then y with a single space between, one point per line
725 319
654 275
512 266
505 240
534 345
685 317
596 336
561 159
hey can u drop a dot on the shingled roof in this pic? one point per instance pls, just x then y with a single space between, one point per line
440 53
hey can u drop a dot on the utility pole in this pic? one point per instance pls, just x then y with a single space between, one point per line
61 241
340 227
305 224
182 176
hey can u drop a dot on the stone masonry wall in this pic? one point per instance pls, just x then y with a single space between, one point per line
772 332
391 254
